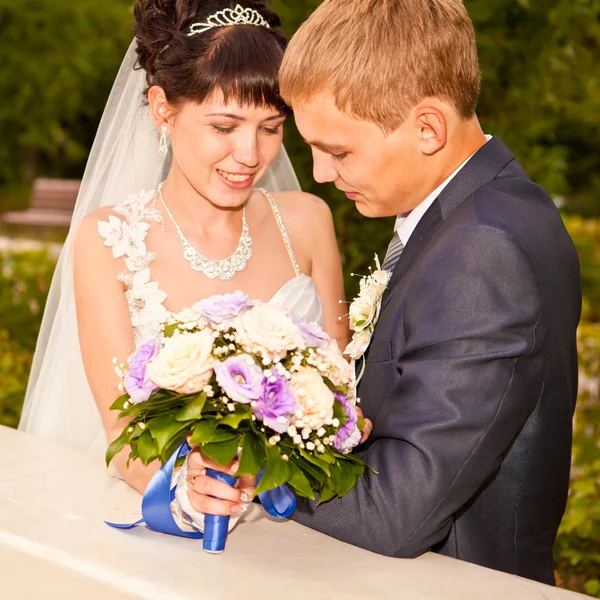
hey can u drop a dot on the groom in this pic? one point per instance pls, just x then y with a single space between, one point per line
471 375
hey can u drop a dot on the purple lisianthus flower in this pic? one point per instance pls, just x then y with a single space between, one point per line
312 333
223 308
348 436
137 381
240 378
276 404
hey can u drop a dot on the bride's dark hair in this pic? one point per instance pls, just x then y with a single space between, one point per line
242 61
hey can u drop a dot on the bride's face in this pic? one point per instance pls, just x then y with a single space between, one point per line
223 149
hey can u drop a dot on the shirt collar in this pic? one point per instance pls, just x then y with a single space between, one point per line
407 223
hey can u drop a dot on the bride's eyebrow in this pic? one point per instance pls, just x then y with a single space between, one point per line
240 118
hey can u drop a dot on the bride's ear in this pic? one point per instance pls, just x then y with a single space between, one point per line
160 109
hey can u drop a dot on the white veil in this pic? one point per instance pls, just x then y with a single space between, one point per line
59 405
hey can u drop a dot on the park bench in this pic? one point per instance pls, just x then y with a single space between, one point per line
52 203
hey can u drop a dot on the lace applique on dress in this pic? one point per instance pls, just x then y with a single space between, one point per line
126 237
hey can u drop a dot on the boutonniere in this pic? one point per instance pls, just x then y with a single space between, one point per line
365 309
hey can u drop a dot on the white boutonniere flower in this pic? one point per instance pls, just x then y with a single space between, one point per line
365 309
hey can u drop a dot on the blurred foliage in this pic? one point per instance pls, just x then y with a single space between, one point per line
577 549
586 235
58 59
24 283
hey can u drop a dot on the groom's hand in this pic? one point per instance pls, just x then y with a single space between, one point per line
367 428
212 497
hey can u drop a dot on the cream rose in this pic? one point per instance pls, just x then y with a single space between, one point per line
359 344
380 281
268 328
339 369
314 397
364 309
185 363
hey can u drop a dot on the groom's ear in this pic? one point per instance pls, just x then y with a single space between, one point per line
432 128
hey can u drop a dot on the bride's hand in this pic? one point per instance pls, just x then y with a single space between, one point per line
212 497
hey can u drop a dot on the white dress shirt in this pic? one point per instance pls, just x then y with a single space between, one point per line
407 222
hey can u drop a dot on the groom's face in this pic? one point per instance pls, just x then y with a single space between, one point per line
384 174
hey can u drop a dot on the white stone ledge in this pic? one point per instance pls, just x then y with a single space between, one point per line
54 544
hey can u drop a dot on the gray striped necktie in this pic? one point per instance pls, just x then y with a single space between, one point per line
393 253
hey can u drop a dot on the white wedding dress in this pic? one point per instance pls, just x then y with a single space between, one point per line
146 299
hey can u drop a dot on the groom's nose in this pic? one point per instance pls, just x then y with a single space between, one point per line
324 170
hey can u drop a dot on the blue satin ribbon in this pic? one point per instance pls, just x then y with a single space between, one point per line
156 506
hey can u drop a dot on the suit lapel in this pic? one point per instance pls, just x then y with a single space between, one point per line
483 167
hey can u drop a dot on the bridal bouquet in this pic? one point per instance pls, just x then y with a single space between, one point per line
245 378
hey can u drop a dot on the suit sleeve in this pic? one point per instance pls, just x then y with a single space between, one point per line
470 374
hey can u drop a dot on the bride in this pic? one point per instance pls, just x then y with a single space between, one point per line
188 193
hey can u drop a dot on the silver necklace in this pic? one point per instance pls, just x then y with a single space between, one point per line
224 269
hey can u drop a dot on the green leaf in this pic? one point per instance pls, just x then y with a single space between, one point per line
119 402
116 446
327 493
165 429
339 412
343 477
192 411
253 457
277 473
311 470
133 411
206 432
147 448
221 452
170 330
233 420
316 460
300 483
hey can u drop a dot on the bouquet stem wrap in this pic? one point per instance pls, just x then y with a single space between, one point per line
216 527
156 506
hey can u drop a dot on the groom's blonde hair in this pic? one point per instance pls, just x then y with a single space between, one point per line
380 58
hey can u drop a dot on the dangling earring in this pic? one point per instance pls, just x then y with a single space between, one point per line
162 144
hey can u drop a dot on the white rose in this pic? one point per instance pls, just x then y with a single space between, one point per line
185 363
359 344
269 328
363 309
339 369
314 397
380 281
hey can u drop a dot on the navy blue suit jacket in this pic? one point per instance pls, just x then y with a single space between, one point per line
471 381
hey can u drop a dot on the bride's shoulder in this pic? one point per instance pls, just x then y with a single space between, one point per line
303 210
112 221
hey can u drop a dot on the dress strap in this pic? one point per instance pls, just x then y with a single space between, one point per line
284 235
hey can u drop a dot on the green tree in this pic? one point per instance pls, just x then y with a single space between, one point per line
541 91
59 58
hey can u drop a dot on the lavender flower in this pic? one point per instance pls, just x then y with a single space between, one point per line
348 436
137 380
240 378
312 333
222 309
276 404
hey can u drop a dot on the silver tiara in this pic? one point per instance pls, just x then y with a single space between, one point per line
230 16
